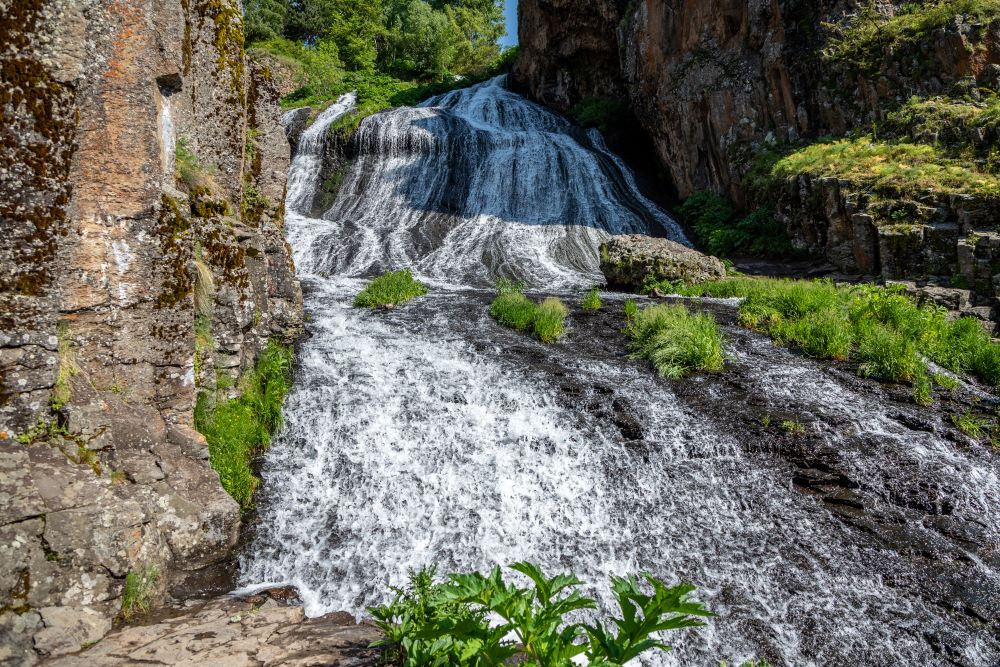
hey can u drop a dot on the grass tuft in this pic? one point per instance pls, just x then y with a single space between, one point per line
512 308
239 429
137 596
389 290
550 320
885 332
592 301
676 341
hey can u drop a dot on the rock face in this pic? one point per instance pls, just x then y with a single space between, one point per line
103 257
258 631
709 80
629 262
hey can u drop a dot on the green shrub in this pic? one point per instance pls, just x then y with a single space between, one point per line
189 171
390 289
719 229
550 320
140 587
631 310
592 301
239 429
604 114
450 623
945 381
676 341
793 426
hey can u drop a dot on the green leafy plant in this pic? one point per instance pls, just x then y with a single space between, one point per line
722 232
449 623
389 290
947 382
676 341
140 588
239 429
592 301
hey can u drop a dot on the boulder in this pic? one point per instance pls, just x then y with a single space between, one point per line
629 262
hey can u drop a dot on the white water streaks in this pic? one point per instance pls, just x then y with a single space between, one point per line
479 184
432 436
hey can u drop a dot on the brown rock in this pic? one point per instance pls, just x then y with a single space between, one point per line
631 261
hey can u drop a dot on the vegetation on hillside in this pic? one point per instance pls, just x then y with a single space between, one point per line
676 341
393 52
546 320
478 620
886 334
722 232
239 429
871 33
389 290
895 169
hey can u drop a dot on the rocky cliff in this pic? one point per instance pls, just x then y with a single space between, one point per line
711 80
715 84
141 188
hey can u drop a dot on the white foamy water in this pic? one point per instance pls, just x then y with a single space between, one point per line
415 438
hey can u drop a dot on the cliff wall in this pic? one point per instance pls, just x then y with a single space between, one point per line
141 260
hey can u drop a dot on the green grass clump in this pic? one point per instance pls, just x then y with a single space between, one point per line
390 289
239 429
974 427
893 168
887 333
550 320
864 42
604 114
511 308
592 301
923 390
946 382
676 341
793 426
140 587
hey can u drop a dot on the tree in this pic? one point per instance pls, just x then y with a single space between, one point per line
264 19
421 40
356 26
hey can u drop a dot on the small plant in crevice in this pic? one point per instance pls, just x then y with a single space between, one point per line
676 341
510 307
976 428
140 588
923 390
592 301
189 170
482 620
947 382
239 429
390 290
62 391
793 427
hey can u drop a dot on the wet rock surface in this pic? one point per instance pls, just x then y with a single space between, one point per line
258 631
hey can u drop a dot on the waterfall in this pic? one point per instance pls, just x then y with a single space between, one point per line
430 435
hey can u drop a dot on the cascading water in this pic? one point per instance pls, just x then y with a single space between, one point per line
432 436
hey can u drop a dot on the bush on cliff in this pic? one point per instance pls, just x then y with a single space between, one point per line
479 620
239 429
389 290
676 341
723 233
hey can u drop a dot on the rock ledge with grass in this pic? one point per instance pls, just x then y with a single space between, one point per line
631 261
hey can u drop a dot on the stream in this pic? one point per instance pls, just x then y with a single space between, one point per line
430 435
